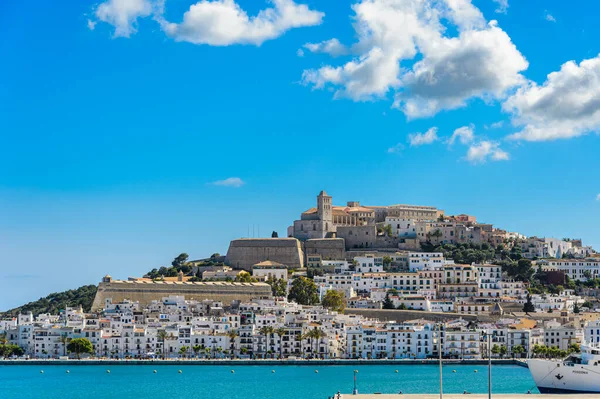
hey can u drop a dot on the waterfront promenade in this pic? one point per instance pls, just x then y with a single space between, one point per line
254 362
463 396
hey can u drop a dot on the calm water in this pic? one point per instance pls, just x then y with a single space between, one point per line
249 382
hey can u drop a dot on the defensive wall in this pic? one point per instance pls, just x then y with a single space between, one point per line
246 252
146 291
328 248
405 315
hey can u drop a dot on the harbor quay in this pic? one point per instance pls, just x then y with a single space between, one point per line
460 396
254 362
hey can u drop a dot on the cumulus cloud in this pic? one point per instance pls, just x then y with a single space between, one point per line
598 197
463 134
496 125
396 149
122 14
549 17
332 47
91 24
479 61
229 182
502 6
224 22
417 139
566 105
300 52
486 150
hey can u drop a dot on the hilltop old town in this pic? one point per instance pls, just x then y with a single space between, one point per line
347 282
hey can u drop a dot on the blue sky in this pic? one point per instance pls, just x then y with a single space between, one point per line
118 117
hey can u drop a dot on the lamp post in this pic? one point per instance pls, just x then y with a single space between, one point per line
440 353
355 390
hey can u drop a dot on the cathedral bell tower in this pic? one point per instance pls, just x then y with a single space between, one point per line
324 207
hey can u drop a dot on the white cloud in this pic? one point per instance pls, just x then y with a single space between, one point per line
566 105
598 197
497 125
91 24
229 182
332 47
300 52
224 22
417 139
396 149
480 61
123 14
463 134
486 150
502 7
549 17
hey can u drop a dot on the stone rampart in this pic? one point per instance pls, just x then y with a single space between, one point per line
246 252
404 315
146 291
328 248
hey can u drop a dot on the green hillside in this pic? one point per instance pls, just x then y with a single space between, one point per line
83 296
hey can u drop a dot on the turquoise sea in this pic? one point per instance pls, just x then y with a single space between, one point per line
250 382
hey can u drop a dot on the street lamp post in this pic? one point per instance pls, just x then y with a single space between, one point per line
440 353
355 390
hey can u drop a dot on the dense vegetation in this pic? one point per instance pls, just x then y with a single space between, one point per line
53 303
181 264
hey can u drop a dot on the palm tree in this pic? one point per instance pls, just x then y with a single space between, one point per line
232 335
64 339
162 336
183 350
280 333
317 334
3 339
196 349
266 331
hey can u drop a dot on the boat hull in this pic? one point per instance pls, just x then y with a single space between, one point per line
552 376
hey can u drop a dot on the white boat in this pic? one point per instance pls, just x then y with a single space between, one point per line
578 373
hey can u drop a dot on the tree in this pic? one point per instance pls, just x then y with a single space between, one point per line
574 348
8 350
503 351
387 261
495 349
576 308
303 291
162 336
64 339
183 350
388 230
518 350
274 234
245 277
267 331
387 302
317 334
528 307
334 300
232 335
180 260
280 333
79 346
278 286
402 306
196 349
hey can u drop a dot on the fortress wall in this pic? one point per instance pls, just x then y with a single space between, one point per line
328 248
246 252
146 292
405 315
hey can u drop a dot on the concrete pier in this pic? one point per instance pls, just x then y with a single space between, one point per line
468 396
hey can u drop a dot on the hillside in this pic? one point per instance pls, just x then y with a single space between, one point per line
83 296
